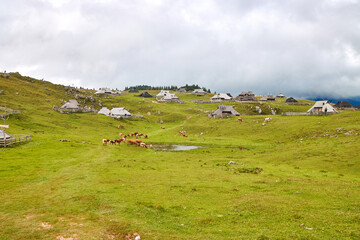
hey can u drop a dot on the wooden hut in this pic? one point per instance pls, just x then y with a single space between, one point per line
344 105
182 90
71 106
199 92
145 95
120 113
291 100
221 97
246 96
225 111
322 107
105 111
267 98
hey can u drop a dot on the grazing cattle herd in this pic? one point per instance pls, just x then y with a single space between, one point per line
140 143
123 136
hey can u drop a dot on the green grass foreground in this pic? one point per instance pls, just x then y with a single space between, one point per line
294 178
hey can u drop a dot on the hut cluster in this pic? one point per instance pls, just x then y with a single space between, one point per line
108 91
320 107
115 112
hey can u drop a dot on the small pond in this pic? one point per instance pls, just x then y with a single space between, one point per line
175 147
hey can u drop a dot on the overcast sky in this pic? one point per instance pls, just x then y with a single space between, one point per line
301 48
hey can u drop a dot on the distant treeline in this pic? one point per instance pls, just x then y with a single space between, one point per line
173 88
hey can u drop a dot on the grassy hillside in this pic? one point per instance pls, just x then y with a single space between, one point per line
293 178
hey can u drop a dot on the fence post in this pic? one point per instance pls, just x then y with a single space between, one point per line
4 138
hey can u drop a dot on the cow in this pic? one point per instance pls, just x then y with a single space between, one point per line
143 145
183 133
267 119
240 119
119 140
132 142
105 141
138 135
162 127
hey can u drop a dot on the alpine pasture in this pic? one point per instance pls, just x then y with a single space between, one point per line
296 177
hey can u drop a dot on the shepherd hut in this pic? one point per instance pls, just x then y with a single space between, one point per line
170 98
120 113
105 111
246 96
220 97
225 111
72 106
268 98
182 90
322 107
165 95
162 93
145 95
2 133
104 91
280 95
117 92
344 105
291 100
199 92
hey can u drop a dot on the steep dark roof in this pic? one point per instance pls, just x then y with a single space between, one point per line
344 104
145 94
291 99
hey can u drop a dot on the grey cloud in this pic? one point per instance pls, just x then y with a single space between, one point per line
301 48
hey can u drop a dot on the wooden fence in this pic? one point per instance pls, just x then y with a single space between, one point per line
14 139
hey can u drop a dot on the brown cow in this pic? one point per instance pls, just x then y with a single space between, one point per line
105 141
132 142
119 140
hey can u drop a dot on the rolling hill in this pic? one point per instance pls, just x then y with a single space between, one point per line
292 178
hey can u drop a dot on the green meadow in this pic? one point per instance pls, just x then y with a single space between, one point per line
294 178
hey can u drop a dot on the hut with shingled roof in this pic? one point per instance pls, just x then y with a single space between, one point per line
246 96
344 105
225 111
291 100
